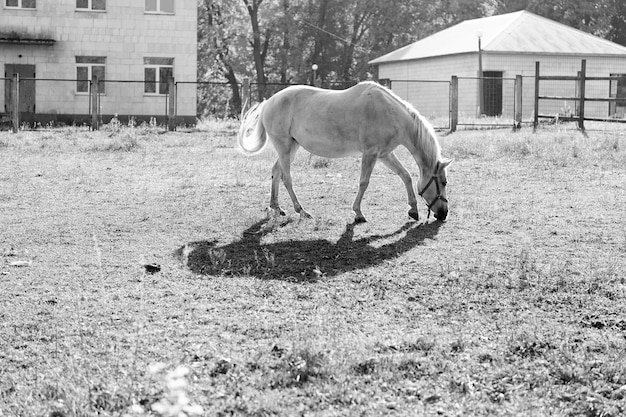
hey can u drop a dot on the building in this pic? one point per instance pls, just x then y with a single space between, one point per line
506 46
56 46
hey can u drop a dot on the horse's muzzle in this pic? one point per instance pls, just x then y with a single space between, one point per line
441 215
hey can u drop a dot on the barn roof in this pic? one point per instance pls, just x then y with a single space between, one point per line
519 32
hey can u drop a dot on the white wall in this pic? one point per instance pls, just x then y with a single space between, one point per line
124 33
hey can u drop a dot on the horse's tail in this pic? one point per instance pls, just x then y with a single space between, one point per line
251 137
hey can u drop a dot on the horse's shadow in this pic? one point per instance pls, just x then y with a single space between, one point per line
301 260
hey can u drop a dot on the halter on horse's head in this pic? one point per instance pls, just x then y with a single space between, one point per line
435 196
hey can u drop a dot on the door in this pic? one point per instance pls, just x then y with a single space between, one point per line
492 93
27 90
618 91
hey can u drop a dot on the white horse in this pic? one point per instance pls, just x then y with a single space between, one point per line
366 119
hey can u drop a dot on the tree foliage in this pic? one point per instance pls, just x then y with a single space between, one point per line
277 41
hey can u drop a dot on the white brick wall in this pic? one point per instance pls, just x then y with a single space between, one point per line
124 34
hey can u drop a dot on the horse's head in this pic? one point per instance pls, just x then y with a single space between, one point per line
432 188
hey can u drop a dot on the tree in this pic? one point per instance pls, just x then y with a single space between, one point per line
617 32
592 16
260 44
219 54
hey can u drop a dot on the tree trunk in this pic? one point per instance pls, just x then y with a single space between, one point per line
259 49
318 45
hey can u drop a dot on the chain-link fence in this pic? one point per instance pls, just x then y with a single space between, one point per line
463 102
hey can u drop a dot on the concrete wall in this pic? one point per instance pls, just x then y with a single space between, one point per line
433 101
125 34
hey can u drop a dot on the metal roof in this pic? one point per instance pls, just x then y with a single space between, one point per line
519 32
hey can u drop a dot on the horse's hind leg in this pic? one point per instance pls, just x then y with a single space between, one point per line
396 166
277 175
367 166
286 154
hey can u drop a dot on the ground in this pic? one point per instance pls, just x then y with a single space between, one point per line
515 306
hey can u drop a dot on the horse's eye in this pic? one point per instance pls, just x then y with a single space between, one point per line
445 183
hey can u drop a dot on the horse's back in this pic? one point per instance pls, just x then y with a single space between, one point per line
333 123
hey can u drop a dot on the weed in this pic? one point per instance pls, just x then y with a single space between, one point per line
124 142
526 270
298 368
415 369
366 367
221 368
421 345
462 386
528 345
270 258
174 401
458 346
218 125
499 392
568 374
519 149
321 163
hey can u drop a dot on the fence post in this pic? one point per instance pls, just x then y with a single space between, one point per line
536 121
583 76
15 102
454 103
518 102
95 88
171 109
245 92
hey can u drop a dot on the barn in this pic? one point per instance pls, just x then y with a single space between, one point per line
502 47
56 46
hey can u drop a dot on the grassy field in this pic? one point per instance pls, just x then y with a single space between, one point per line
515 306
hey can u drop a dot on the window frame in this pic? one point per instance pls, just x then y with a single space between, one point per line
159 9
90 8
20 5
152 63
90 66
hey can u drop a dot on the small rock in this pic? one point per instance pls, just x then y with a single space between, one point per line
152 268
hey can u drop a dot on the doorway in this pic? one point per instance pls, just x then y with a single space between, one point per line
492 93
27 90
618 91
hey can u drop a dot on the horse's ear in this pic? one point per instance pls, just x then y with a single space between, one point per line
445 163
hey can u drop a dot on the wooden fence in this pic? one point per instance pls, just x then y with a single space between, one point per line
581 79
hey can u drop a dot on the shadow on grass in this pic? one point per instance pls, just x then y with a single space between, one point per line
301 260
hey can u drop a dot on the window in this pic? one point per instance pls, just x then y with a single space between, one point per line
21 4
87 67
157 72
160 6
91 5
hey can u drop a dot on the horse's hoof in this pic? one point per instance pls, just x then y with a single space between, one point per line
414 215
275 211
360 219
305 215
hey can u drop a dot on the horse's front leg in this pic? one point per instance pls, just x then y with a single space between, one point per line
393 163
367 166
277 175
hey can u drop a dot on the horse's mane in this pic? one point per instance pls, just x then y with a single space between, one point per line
426 138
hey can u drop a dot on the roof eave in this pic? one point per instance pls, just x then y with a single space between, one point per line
577 54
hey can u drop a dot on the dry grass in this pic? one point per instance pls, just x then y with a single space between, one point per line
515 306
